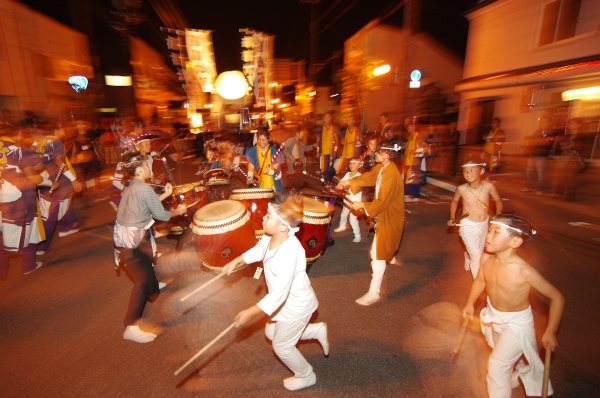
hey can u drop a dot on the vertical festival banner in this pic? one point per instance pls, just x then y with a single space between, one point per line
263 54
201 58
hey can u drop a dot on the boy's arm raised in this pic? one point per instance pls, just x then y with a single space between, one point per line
557 303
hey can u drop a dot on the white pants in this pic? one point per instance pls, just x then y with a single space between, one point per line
378 267
285 336
512 335
473 235
347 215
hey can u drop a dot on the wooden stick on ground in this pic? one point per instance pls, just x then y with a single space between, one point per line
461 336
206 347
546 373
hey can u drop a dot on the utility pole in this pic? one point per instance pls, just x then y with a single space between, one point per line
314 43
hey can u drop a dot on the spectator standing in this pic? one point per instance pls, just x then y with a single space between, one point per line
350 139
493 147
538 146
569 161
328 144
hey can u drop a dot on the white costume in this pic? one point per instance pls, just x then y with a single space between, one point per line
473 235
290 302
512 335
346 213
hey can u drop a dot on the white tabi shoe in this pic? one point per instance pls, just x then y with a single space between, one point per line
134 333
323 338
298 383
368 299
339 229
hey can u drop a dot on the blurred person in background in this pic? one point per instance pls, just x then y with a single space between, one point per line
328 139
84 157
55 206
417 128
20 232
350 137
492 148
570 162
385 127
294 151
538 147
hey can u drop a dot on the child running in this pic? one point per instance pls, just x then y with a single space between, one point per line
475 195
291 300
354 164
507 321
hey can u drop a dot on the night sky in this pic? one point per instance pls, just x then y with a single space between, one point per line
289 21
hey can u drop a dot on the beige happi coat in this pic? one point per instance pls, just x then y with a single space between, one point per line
388 207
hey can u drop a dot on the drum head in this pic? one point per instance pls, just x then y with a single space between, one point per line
182 189
219 211
313 206
215 173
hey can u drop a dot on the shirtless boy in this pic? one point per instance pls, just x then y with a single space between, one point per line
475 195
507 321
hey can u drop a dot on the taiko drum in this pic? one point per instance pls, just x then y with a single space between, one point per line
256 201
313 228
222 231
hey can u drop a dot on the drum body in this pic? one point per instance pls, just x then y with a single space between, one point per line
313 228
327 200
256 200
188 194
222 231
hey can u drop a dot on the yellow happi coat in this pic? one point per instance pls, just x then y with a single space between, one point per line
388 207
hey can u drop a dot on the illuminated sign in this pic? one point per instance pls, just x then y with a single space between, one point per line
79 83
415 77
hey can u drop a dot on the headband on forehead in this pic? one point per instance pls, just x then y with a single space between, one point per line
533 231
394 148
473 164
355 161
292 231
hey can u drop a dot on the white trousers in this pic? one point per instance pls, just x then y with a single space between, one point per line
285 336
378 267
346 216
512 335
473 235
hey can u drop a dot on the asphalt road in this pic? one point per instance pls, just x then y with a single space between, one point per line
61 326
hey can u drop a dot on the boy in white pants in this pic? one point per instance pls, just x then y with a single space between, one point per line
291 300
354 164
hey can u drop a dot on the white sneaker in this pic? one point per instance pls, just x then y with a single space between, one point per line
356 239
134 333
368 299
323 338
40 252
67 233
339 229
298 383
161 285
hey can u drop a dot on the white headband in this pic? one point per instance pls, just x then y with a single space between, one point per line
292 231
533 232
473 164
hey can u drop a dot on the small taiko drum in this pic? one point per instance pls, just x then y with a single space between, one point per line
256 201
216 177
327 200
187 194
313 228
222 231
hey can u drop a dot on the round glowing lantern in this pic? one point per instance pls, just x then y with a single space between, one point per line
231 85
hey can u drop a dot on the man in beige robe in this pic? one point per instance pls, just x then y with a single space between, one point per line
387 209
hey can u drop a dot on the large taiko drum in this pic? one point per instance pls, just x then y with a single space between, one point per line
189 195
256 201
222 231
313 228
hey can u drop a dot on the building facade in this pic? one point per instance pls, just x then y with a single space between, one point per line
529 59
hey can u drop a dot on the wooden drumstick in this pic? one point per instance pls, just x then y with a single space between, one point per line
460 219
60 173
546 382
461 336
222 274
206 347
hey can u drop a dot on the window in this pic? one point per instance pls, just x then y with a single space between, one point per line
559 21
